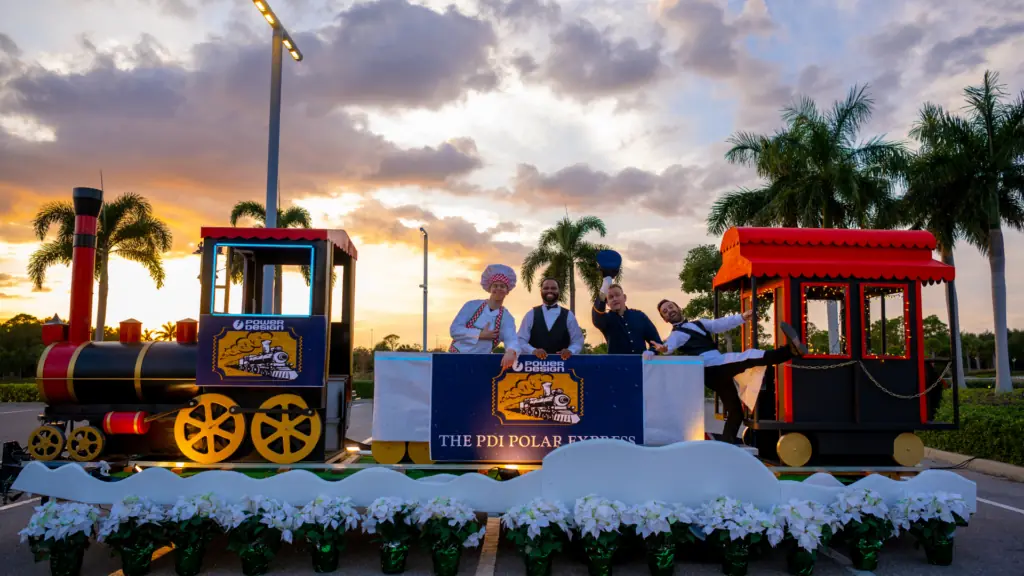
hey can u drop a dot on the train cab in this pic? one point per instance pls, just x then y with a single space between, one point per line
277 362
855 298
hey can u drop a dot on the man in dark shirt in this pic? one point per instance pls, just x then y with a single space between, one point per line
626 330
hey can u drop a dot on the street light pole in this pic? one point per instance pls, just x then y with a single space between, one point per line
424 286
281 41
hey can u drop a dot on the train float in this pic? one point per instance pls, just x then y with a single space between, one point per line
260 387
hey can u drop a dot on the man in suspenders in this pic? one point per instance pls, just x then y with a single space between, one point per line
550 328
696 339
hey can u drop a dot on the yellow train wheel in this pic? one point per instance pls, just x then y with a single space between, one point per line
86 443
208 432
908 449
46 442
285 438
794 449
387 452
419 452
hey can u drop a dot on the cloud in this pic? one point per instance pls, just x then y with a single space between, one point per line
677 190
4 296
526 11
13 281
586 62
457 157
451 237
964 52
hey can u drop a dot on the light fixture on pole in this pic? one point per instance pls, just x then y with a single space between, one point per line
281 41
424 286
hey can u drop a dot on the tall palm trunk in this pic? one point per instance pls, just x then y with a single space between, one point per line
997 263
572 287
101 304
954 312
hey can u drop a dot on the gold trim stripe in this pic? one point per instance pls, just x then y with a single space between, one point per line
71 370
40 381
138 370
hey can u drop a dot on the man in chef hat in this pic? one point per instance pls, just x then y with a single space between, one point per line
481 324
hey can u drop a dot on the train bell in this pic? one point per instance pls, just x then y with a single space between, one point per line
609 262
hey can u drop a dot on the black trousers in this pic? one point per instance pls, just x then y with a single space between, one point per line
719 378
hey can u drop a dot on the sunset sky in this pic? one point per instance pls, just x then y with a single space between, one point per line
483 120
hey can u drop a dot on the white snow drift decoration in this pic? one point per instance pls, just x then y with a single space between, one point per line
686 473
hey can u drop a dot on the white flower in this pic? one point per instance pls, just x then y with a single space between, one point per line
385 509
456 512
803 520
330 513
852 504
740 520
651 517
130 508
922 507
57 521
593 515
537 515
278 515
203 505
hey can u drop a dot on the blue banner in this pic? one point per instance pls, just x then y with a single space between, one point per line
478 413
261 351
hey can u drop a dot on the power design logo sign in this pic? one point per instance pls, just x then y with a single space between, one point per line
261 351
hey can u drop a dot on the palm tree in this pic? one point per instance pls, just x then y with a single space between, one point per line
148 335
563 250
984 152
126 228
294 217
166 332
816 173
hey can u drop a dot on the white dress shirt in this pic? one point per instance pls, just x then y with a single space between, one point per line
467 340
550 316
708 326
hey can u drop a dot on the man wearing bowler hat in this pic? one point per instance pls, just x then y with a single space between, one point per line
626 330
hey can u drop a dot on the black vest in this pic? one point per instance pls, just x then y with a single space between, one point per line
551 341
698 343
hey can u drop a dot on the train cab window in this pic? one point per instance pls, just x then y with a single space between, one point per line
885 306
826 322
247 260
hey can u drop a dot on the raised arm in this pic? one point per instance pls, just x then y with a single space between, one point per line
575 334
598 314
719 325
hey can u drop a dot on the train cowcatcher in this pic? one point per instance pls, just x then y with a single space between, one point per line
260 386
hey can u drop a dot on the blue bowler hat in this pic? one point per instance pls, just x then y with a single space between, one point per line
609 262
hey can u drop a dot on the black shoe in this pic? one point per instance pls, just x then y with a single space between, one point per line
798 347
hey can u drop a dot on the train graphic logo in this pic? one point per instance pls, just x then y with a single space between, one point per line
538 398
260 355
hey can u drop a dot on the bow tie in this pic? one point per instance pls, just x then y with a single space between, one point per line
550 306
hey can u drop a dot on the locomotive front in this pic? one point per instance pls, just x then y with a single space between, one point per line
265 393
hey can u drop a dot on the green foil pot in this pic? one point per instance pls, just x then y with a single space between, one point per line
800 562
537 564
66 560
393 556
446 559
599 559
735 558
188 560
864 553
256 559
661 558
939 553
325 557
136 561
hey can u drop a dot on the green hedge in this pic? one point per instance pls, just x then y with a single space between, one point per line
363 388
19 393
991 426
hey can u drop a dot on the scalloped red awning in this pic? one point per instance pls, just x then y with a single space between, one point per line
827 253
339 238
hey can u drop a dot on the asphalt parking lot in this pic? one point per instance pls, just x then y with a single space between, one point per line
992 545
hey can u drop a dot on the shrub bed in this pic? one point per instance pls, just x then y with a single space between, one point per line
363 388
19 393
991 426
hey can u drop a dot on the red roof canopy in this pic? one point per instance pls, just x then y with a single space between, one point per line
821 253
339 238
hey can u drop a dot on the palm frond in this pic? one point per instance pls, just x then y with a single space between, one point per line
533 261
248 209
60 213
294 217
737 208
47 255
150 260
